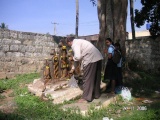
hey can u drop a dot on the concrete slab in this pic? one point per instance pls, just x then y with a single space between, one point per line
103 101
59 92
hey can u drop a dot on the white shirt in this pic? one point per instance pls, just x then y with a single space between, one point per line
85 51
111 51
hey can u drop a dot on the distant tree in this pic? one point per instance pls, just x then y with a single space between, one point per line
3 26
71 35
150 13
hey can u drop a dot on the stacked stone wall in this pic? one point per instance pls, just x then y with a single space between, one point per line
23 52
146 52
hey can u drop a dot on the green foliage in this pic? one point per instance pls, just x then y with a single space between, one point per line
150 12
3 26
146 85
152 113
15 82
33 108
2 97
93 2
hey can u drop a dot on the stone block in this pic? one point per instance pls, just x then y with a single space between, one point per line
16 41
28 42
37 55
13 34
2 54
24 61
30 49
5 48
2 64
3 75
51 44
27 54
19 54
27 68
14 48
22 48
46 49
38 49
24 36
32 37
6 41
20 36
14 54
6 33
37 87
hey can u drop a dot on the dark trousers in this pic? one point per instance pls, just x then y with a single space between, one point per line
92 80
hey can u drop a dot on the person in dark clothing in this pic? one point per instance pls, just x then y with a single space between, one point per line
119 67
111 67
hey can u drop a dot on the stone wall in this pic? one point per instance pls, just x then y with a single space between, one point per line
23 52
146 52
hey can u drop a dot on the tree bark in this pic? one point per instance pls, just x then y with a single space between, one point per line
112 15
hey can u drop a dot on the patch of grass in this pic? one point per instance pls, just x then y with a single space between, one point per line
146 85
12 94
2 97
32 107
15 82
152 113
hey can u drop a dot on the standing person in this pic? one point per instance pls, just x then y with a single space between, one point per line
119 66
111 67
91 60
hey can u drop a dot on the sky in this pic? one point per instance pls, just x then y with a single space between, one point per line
39 16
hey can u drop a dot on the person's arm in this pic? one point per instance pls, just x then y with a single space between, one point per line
110 50
74 66
110 55
77 53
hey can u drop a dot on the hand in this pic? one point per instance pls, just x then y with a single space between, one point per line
70 58
71 71
105 51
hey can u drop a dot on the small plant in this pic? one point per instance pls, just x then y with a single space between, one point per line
12 94
2 97
49 97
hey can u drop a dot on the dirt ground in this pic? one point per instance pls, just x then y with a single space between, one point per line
7 104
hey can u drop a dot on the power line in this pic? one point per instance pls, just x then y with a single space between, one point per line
55 27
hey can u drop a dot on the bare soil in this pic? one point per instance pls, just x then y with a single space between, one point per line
7 104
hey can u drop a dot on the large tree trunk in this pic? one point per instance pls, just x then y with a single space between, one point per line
119 18
112 15
132 18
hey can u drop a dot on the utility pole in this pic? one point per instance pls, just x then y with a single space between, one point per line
55 27
77 17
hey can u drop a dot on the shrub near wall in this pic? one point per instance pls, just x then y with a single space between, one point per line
146 53
23 52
